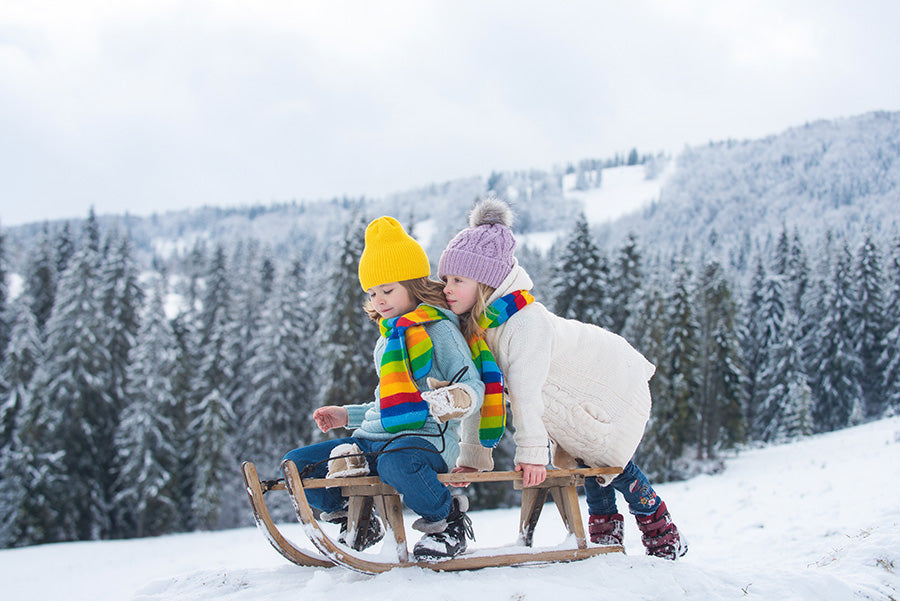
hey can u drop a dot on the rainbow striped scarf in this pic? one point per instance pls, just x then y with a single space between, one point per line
493 410
406 358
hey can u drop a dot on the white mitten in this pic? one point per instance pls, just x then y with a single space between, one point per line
347 460
447 402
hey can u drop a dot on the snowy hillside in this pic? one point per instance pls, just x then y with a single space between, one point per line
816 519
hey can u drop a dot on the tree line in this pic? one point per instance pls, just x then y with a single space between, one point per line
129 396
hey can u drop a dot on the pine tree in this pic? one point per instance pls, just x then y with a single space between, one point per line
838 392
147 497
345 334
76 414
869 315
24 353
674 423
624 283
122 298
889 362
212 416
5 325
279 416
646 331
247 300
719 401
40 278
754 344
582 279
773 320
794 395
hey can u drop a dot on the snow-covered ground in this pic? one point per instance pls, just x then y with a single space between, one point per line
816 519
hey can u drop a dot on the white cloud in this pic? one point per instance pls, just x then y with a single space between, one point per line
147 106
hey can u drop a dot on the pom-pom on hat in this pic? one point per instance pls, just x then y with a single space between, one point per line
484 251
390 255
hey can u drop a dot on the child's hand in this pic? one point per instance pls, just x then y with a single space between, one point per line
532 473
330 417
462 469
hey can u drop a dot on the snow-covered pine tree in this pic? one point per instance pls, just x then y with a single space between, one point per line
719 399
122 297
645 330
624 283
344 334
279 416
187 353
815 306
753 344
23 354
65 247
76 413
889 362
772 315
147 489
792 391
838 391
5 319
869 315
674 423
40 277
797 276
212 425
247 299
581 280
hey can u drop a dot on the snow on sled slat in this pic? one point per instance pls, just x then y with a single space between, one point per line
357 562
264 521
515 477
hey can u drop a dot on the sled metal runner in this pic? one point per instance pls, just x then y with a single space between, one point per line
365 491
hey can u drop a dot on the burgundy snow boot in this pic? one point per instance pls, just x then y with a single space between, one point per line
607 529
660 536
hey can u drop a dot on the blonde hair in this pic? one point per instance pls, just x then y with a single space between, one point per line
468 321
422 290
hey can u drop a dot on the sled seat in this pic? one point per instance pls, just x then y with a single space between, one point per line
363 492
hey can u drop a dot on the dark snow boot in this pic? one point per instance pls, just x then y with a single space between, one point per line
660 536
607 529
446 538
358 541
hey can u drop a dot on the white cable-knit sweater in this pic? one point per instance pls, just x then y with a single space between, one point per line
569 383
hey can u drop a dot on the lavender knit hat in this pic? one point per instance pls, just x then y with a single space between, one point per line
484 251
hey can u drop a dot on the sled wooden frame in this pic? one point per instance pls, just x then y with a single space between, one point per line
365 491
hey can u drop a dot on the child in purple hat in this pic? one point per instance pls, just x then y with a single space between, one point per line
577 392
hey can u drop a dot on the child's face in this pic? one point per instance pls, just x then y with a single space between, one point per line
391 300
461 293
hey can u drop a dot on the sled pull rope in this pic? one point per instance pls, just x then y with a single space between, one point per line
267 485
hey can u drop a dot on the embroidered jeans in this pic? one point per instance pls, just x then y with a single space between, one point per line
404 463
634 486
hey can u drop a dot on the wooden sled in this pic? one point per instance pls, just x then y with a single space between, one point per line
362 492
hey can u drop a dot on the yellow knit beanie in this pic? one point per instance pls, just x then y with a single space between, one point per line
390 255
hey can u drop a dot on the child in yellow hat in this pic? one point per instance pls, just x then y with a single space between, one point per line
409 433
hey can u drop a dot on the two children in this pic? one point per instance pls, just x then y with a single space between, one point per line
577 388
397 434
573 387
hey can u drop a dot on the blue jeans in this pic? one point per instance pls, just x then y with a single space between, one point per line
634 486
410 469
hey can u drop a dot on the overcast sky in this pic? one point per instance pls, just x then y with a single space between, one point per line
150 106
